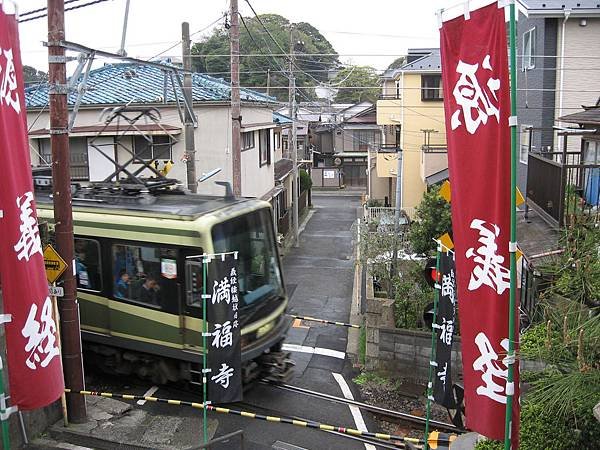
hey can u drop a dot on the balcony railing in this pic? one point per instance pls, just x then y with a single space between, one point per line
388 148
561 186
377 212
435 148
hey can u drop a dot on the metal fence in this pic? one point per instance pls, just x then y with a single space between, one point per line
377 212
561 186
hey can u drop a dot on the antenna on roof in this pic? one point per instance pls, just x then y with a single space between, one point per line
228 190
206 176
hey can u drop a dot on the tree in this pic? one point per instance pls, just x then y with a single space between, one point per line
363 78
31 75
255 41
432 220
397 63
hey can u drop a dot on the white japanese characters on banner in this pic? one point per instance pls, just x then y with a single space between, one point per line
34 363
444 326
224 352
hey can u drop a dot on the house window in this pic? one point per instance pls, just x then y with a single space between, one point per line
525 140
78 156
363 140
149 148
145 274
88 268
264 140
282 204
277 139
431 87
528 49
248 140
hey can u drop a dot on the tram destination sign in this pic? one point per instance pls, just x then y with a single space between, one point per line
55 265
224 342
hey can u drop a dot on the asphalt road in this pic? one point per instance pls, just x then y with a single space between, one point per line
319 276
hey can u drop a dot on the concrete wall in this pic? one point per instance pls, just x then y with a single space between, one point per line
212 142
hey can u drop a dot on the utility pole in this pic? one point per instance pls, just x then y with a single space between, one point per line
190 148
63 217
394 265
122 51
292 142
236 116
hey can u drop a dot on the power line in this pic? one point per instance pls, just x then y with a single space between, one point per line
45 8
66 9
286 54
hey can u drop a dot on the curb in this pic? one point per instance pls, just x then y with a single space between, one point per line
353 344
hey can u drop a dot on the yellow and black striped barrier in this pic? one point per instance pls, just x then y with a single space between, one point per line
330 322
299 423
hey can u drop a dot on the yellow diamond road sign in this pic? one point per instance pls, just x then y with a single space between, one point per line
55 265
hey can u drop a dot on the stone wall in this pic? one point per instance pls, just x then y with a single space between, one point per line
401 351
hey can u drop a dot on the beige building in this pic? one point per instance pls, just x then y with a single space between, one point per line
140 86
411 109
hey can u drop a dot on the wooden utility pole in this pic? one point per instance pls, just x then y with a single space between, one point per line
63 217
293 146
236 116
190 149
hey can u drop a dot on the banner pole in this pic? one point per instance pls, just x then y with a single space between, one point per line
513 229
63 397
204 331
5 431
433 345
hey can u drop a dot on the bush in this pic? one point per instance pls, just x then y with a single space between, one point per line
412 294
432 221
543 431
305 180
489 445
362 344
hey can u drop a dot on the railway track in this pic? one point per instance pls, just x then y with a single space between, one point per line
376 442
383 412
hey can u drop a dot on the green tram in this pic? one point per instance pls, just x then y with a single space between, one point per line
122 249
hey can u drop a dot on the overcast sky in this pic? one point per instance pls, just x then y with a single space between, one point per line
358 30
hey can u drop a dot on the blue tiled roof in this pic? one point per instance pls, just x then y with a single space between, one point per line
123 83
281 119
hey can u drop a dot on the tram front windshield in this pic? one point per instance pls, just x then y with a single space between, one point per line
251 235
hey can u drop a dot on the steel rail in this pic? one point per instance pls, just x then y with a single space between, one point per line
365 406
377 442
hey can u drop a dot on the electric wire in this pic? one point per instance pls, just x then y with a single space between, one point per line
66 9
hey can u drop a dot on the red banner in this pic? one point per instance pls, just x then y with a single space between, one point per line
34 365
477 108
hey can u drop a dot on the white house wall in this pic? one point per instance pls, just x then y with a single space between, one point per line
212 142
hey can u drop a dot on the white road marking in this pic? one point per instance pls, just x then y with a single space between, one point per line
314 350
358 418
148 393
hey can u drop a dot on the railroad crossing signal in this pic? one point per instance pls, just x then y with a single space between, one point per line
55 265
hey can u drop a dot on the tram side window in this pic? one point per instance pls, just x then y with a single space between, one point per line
145 274
88 267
